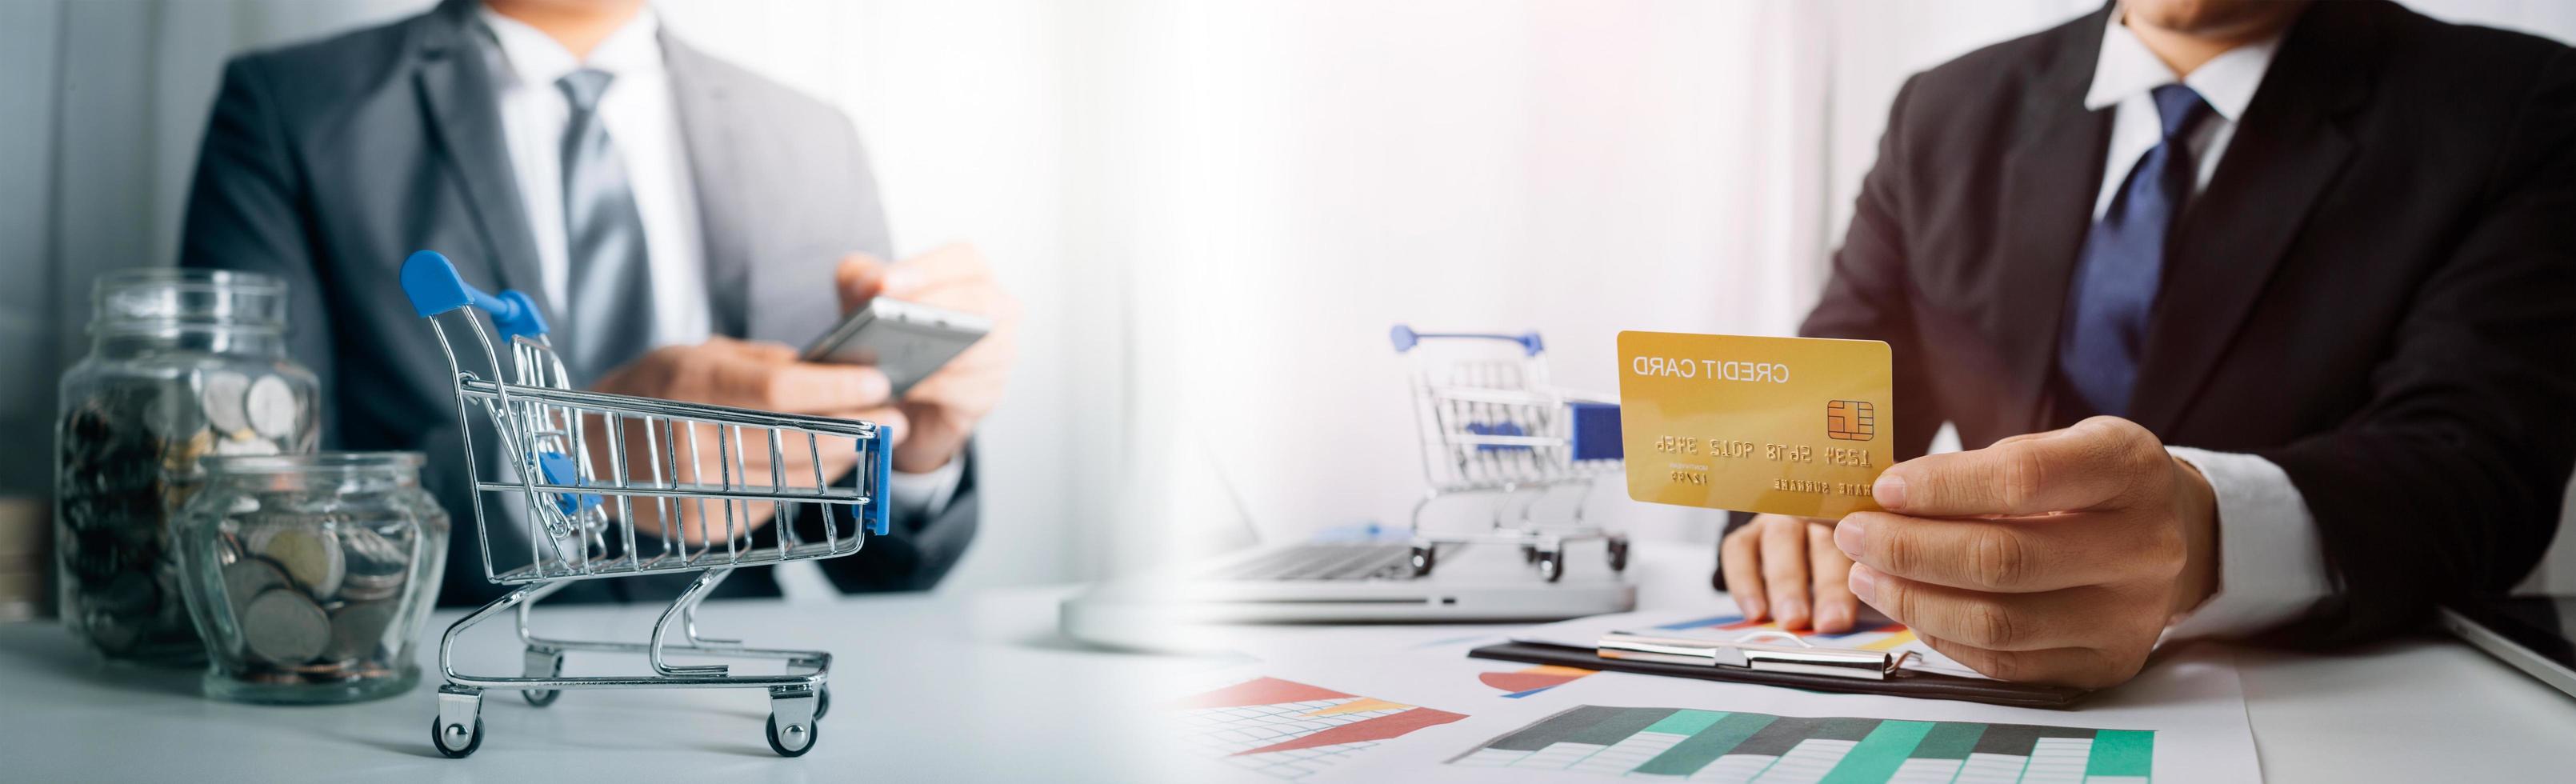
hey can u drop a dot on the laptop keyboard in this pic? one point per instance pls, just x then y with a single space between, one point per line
1326 561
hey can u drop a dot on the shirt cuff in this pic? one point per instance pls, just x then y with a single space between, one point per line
927 493
2271 568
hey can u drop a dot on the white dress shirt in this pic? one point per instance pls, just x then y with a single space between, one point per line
644 127
2271 567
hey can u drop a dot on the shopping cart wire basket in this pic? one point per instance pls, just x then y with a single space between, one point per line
668 489
1491 425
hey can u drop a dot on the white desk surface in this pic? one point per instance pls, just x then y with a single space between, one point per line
979 687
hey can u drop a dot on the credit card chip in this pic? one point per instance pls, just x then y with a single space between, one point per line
1851 420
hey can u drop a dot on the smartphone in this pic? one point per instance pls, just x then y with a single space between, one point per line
906 340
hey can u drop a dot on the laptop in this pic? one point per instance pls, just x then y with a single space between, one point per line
2535 634
1367 580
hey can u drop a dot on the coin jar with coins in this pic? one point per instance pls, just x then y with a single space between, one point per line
183 364
309 576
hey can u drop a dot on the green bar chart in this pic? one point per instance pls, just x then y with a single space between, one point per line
1723 746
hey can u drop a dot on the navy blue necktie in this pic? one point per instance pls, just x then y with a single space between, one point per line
2115 281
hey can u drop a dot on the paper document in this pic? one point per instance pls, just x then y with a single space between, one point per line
1722 623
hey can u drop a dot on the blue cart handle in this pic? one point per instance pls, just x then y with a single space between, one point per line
1405 338
434 288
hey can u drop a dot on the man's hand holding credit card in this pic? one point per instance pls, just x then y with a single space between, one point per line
2057 556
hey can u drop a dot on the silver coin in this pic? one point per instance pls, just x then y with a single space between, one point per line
272 407
370 551
369 593
371 587
284 628
222 397
358 629
310 555
250 577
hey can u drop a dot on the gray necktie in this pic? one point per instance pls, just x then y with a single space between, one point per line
611 297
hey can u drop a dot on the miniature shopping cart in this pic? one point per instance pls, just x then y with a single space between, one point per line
680 465
1491 425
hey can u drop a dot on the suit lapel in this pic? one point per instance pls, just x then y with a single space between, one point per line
465 124
2050 177
711 138
2232 237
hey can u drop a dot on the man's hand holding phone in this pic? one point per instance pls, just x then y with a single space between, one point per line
930 422
745 374
944 407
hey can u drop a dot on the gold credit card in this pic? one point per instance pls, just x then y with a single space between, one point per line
1793 426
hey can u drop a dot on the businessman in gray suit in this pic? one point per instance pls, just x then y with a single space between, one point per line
680 221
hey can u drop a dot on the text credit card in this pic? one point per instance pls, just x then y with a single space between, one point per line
1793 426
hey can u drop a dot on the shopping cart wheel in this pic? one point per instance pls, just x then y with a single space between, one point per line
1551 565
444 736
794 742
1618 553
457 730
1422 559
543 664
1529 553
822 703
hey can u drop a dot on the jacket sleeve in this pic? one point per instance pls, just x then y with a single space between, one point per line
2448 482
248 210
923 547
1868 295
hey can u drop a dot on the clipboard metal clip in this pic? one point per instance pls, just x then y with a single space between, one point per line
1796 655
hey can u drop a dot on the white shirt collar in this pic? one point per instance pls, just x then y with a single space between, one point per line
2126 68
537 59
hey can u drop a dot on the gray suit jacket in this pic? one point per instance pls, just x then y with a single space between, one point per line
327 163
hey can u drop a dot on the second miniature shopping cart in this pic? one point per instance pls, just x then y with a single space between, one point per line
1492 425
606 486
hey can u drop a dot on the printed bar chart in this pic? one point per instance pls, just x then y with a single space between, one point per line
1289 730
1721 746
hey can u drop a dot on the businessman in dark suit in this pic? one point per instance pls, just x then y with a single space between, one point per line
2262 316
679 220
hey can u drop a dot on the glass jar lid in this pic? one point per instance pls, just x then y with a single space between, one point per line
161 298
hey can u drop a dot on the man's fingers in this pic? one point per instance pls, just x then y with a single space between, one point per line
1784 569
2079 667
1993 621
2012 555
796 387
1741 557
858 279
1829 571
764 351
2094 462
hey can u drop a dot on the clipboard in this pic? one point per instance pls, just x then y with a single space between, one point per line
1769 659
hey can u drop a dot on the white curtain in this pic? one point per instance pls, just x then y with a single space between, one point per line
1214 208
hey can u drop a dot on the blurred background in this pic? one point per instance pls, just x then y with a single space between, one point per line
1214 210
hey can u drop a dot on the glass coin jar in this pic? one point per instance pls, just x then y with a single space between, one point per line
310 575
183 364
